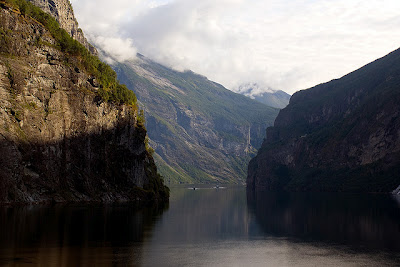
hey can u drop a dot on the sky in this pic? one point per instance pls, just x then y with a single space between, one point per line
279 44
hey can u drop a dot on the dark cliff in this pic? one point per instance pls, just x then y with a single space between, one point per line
339 136
68 130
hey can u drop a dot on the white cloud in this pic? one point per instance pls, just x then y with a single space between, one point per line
287 45
116 49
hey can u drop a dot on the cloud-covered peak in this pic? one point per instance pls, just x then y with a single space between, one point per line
252 89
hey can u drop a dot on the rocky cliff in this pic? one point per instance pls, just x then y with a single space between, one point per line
201 132
63 12
64 135
340 136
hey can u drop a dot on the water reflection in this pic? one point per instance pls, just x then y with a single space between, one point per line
205 215
208 227
74 235
360 221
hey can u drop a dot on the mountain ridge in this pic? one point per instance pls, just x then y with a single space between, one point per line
342 135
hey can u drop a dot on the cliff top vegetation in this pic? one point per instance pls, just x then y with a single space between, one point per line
110 88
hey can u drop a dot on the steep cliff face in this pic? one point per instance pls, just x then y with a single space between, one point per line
340 136
201 132
62 11
59 139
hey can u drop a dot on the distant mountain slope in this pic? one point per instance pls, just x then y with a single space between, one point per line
277 99
273 98
201 132
343 135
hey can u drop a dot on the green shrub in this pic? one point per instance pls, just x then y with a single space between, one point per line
149 149
140 119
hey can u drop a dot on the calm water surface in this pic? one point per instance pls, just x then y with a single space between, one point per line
208 227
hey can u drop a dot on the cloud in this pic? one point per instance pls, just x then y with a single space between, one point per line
285 45
116 49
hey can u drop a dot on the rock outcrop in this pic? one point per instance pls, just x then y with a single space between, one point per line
340 136
59 140
63 12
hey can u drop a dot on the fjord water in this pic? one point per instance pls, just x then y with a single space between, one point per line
208 227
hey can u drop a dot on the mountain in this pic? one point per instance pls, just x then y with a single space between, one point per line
68 130
273 98
278 99
201 132
339 136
